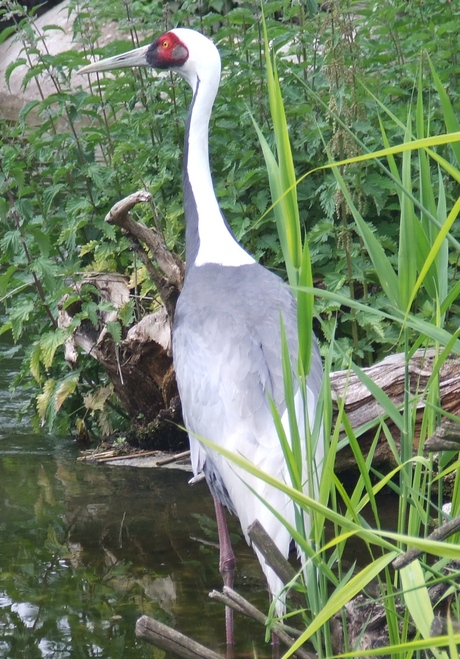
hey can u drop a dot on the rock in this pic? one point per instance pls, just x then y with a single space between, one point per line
13 95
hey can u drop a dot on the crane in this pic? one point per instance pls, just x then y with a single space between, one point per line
227 328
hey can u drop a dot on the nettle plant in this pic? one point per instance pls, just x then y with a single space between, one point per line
71 155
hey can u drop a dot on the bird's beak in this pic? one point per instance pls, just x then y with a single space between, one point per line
136 57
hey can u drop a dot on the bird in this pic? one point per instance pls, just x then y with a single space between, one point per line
227 328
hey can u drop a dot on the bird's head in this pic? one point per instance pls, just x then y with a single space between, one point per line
185 51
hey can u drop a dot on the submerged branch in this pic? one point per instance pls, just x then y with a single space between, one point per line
170 640
272 555
285 634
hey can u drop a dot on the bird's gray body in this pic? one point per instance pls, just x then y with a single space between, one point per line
227 356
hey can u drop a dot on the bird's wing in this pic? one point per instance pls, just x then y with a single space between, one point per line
227 372
227 355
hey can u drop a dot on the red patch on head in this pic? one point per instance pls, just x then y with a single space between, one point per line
167 52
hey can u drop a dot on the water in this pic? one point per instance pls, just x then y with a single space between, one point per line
86 549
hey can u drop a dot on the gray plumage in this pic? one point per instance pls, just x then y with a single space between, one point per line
227 354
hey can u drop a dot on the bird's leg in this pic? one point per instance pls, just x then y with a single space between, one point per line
227 557
275 647
226 564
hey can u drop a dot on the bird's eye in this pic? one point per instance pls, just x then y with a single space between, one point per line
165 44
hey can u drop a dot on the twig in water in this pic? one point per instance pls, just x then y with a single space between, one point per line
120 533
232 599
165 638
273 557
173 458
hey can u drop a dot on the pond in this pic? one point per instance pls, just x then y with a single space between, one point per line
86 549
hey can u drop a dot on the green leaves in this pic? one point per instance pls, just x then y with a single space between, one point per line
49 343
19 315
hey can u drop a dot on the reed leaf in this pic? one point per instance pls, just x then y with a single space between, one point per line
287 175
408 231
403 649
435 249
450 118
340 597
418 601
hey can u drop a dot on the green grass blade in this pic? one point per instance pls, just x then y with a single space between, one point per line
339 598
285 160
407 649
279 206
382 264
442 260
435 250
283 185
418 601
450 119
305 311
381 397
407 255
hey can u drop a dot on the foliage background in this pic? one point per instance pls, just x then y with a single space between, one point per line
70 156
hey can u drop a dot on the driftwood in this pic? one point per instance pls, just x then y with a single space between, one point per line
114 456
272 555
366 617
390 375
442 533
164 267
168 639
285 634
445 438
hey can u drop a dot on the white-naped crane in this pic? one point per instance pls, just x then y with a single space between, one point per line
227 328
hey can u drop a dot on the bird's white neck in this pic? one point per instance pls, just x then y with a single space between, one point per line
208 237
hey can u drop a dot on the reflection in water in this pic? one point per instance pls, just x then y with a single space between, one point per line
86 549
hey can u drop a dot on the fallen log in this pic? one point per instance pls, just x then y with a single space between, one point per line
390 375
141 371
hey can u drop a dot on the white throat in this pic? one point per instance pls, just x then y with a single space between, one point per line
216 243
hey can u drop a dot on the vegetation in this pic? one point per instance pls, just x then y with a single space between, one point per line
361 98
419 275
